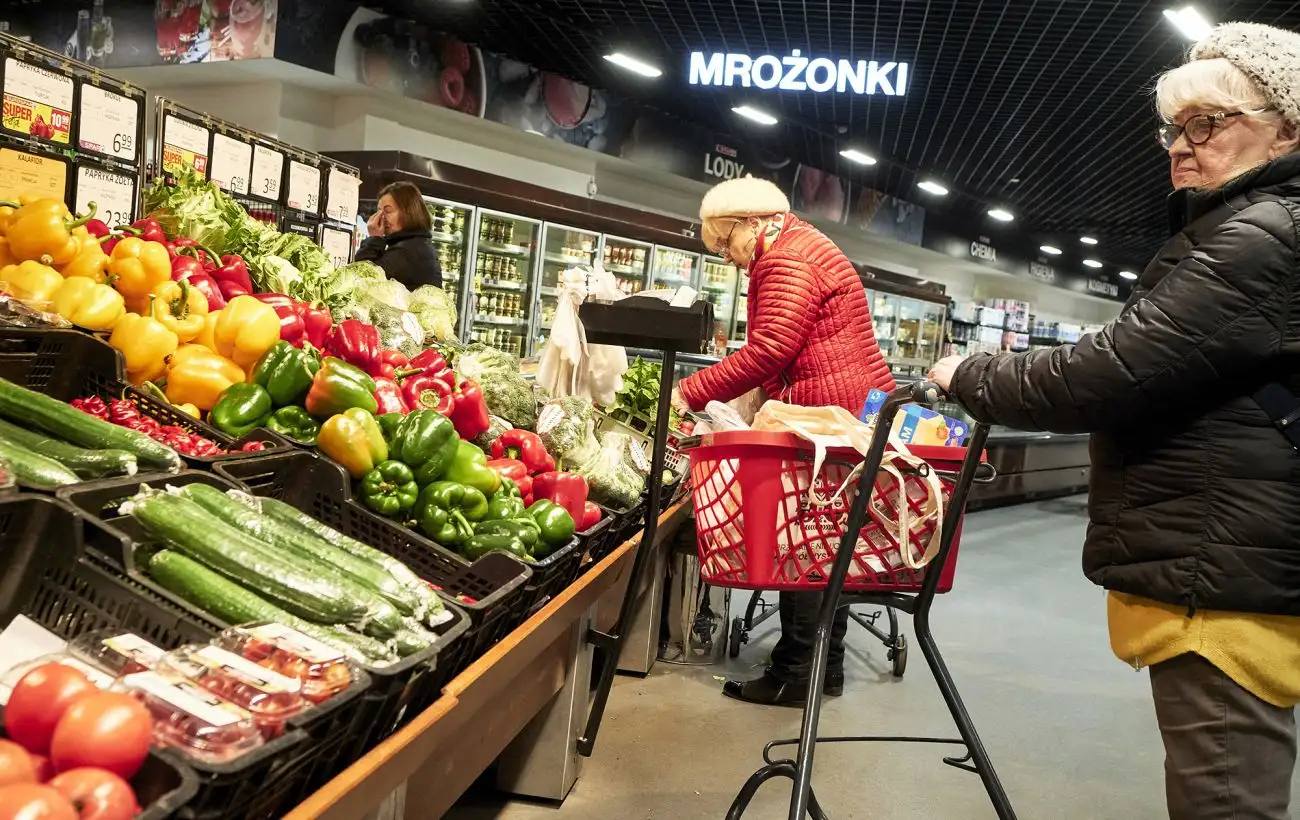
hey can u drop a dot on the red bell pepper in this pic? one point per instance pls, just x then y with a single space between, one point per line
424 391
356 343
390 362
98 229
232 277
389 397
317 323
432 362
525 446
149 230
591 516
200 281
568 490
292 329
514 469
184 267
470 415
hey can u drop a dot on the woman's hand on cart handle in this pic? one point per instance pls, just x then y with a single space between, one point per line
943 370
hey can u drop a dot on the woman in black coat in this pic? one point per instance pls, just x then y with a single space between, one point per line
400 239
1190 395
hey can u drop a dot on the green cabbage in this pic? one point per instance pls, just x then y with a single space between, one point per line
435 310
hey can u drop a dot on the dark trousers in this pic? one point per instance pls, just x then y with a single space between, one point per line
792 657
1228 754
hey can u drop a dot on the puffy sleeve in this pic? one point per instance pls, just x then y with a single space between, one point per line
786 301
1220 312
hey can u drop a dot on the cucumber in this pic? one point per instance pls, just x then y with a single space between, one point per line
408 642
23 406
85 463
286 580
34 470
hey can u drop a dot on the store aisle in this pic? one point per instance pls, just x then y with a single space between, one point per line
1071 731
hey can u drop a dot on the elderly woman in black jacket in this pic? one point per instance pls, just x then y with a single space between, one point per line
1194 503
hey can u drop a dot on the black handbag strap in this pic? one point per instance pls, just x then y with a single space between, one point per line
1283 409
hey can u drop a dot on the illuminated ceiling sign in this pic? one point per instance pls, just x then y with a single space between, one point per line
798 73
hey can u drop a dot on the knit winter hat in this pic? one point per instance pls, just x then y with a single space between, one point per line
1269 56
747 196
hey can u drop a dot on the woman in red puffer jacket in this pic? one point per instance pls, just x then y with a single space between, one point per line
810 343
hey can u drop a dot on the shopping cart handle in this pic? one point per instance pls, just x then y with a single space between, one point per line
924 393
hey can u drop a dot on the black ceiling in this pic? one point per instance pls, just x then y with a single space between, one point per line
1039 105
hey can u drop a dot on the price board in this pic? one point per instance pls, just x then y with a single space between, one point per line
268 173
112 192
108 124
37 102
232 162
184 145
25 174
293 225
337 244
342 193
304 187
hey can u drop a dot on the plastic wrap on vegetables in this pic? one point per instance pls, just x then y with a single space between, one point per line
436 312
498 428
611 478
567 428
508 394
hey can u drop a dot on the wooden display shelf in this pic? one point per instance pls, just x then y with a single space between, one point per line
443 750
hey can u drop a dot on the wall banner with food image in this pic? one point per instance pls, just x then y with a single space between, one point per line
887 216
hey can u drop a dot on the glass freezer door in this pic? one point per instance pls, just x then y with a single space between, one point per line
719 287
450 235
740 326
674 268
505 261
884 321
628 260
562 248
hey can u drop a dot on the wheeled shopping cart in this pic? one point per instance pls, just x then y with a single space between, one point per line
766 519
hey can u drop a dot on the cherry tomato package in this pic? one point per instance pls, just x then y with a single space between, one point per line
193 720
322 670
272 698
11 677
115 652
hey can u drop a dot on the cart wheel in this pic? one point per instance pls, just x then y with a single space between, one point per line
737 638
899 656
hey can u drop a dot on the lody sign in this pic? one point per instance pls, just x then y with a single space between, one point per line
798 73
723 163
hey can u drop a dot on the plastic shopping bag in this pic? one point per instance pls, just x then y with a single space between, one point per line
569 366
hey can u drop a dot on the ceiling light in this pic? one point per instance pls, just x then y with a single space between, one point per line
858 157
634 65
751 113
1051 250
1087 240
1092 263
932 187
1189 22
1127 274
1001 215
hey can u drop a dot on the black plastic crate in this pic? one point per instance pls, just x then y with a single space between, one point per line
597 541
69 364
553 573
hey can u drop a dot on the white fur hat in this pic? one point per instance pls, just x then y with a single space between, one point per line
1269 56
747 196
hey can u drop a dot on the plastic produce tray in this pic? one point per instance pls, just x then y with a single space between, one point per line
553 573
597 542
69 364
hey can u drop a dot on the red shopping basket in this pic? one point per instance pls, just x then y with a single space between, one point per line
757 530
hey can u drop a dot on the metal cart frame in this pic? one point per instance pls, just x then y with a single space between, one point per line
757 611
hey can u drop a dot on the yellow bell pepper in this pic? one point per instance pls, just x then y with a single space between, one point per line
244 331
88 304
91 263
182 309
42 230
137 267
6 255
196 376
31 281
145 344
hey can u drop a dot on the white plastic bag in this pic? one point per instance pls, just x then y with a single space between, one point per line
569 366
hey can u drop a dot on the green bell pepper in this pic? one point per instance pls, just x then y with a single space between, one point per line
390 488
525 529
295 424
469 466
352 438
287 372
426 441
339 386
556 525
445 509
388 423
241 408
477 546
506 502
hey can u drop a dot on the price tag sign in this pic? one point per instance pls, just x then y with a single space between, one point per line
268 170
185 145
109 123
23 174
304 187
337 245
232 162
37 102
112 193
343 191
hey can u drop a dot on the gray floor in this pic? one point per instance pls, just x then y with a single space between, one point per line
1070 729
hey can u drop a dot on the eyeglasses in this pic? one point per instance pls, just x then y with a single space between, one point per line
724 250
1197 129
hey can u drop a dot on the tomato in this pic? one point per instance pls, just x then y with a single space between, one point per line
29 801
109 730
38 701
97 794
44 768
16 766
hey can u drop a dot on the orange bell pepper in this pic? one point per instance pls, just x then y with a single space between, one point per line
197 376
245 329
182 309
42 230
137 267
145 344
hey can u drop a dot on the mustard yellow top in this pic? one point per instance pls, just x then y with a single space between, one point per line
1261 653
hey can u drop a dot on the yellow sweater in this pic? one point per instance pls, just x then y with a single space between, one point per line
1261 653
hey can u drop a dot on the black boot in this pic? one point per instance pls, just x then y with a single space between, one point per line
767 691
833 686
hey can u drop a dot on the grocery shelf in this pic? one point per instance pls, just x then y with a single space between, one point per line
624 270
503 250
517 287
448 238
561 259
499 320
545 291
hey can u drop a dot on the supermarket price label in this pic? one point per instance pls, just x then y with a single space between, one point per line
232 162
23 174
304 187
343 192
37 102
112 193
109 123
268 173
185 145
337 245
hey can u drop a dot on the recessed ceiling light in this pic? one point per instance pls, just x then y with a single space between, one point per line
932 187
751 113
1127 274
1087 240
858 157
1001 214
1189 22
1051 250
1092 263
634 65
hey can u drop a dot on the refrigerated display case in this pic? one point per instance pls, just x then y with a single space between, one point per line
674 268
500 304
740 326
451 239
628 260
562 248
719 284
909 330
